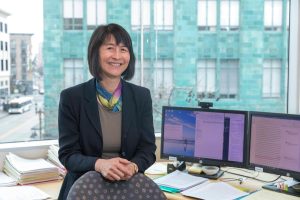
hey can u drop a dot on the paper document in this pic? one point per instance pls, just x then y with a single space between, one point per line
214 191
22 192
157 169
6 180
179 180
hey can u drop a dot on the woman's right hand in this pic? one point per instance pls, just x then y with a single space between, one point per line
113 169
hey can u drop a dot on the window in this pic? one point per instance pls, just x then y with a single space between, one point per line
73 14
271 78
229 78
163 78
273 15
1 27
5 28
206 79
6 62
96 13
1 45
207 15
6 46
139 8
163 14
192 50
2 65
73 71
229 16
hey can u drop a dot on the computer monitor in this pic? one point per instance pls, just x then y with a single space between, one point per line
209 136
274 144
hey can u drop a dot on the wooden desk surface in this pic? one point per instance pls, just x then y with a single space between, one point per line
52 187
249 185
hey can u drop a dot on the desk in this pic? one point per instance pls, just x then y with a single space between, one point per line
248 185
52 188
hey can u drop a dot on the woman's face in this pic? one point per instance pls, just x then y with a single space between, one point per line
113 58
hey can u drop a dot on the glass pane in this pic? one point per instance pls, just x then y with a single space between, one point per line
224 19
68 8
101 12
268 10
181 65
234 13
158 12
277 13
202 12
168 13
212 13
135 13
91 14
78 9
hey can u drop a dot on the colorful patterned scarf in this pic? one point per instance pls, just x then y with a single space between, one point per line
113 101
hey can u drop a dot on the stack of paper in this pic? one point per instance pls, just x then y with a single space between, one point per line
179 180
27 171
53 157
215 190
6 180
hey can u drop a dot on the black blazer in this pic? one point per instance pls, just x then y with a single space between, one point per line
80 135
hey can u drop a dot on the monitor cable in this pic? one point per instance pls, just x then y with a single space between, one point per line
251 177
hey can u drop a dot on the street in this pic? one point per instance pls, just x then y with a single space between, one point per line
18 127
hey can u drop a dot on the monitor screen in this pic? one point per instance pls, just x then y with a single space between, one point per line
275 143
208 136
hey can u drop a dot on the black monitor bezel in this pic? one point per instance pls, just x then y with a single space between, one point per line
205 161
264 168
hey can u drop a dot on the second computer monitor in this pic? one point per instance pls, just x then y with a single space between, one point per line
209 136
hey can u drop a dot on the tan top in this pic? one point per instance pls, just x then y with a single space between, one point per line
111 131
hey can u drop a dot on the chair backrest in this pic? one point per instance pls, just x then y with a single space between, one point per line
93 186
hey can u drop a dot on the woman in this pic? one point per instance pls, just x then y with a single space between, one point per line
106 123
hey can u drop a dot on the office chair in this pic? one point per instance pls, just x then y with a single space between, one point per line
92 186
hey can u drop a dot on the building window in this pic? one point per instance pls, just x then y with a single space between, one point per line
2 65
271 78
163 78
73 72
136 13
207 15
206 79
229 16
163 14
1 27
73 14
1 46
273 15
6 63
6 46
229 73
96 13
5 28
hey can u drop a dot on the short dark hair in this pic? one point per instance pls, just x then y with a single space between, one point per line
98 37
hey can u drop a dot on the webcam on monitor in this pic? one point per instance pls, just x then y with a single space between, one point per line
205 104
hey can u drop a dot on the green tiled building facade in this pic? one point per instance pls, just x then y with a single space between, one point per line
239 59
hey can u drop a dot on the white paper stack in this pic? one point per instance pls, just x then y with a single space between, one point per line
179 180
27 171
53 158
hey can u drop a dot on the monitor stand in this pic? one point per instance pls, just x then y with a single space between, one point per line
215 176
292 190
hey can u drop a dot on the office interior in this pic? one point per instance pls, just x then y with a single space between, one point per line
290 103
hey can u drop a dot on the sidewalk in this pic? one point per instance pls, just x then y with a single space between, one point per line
3 113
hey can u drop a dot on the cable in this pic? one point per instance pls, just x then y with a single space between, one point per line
254 177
